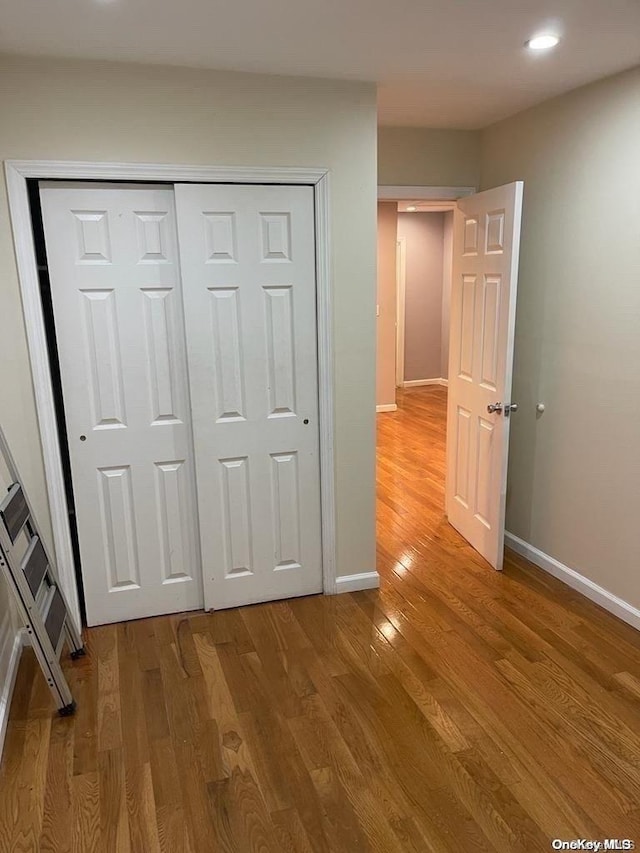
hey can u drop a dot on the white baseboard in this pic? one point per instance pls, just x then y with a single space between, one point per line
9 683
352 583
620 608
387 407
416 383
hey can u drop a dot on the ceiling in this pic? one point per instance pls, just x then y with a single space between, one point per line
438 63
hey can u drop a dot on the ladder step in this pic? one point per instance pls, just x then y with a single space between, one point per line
54 622
14 511
31 575
34 565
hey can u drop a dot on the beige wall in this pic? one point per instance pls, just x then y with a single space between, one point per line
574 473
423 234
119 112
386 349
410 156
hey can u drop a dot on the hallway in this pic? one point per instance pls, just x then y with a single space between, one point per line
456 709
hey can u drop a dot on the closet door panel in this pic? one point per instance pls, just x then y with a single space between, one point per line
117 298
248 265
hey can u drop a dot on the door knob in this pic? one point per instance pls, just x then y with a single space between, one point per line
507 408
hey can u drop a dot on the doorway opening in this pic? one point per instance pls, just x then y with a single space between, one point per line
417 236
447 279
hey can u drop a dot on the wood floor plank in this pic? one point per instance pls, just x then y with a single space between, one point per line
56 820
85 813
172 829
290 832
114 819
249 824
283 777
23 812
183 709
141 808
12 761
454 710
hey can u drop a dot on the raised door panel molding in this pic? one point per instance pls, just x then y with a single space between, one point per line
119 528
485 449
494 233
236 507
164 346
92 229
176 521
280 351
226 343
463 453
490 318
467 327
221 241
276 237
103 356
470 237
286 514
154 241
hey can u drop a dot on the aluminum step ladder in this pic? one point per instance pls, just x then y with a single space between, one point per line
31 576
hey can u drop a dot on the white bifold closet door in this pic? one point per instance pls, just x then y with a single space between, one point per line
116 291
187 360
248 266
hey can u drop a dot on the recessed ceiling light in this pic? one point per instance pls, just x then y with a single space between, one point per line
411 208
542 42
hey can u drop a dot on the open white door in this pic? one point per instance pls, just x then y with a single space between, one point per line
483 307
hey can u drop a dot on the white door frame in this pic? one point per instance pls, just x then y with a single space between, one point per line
436 194
17 173
401 285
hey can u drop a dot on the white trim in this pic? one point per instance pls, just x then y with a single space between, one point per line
387 407
17 172
398 193
36 339
401 287
77 170
325 384
426 206
620 608
416 383
19 641
353 583
447 282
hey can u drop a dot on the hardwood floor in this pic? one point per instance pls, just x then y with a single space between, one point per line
456 709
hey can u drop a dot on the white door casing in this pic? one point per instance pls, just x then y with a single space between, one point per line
116 290
401 284
483 303
248 266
